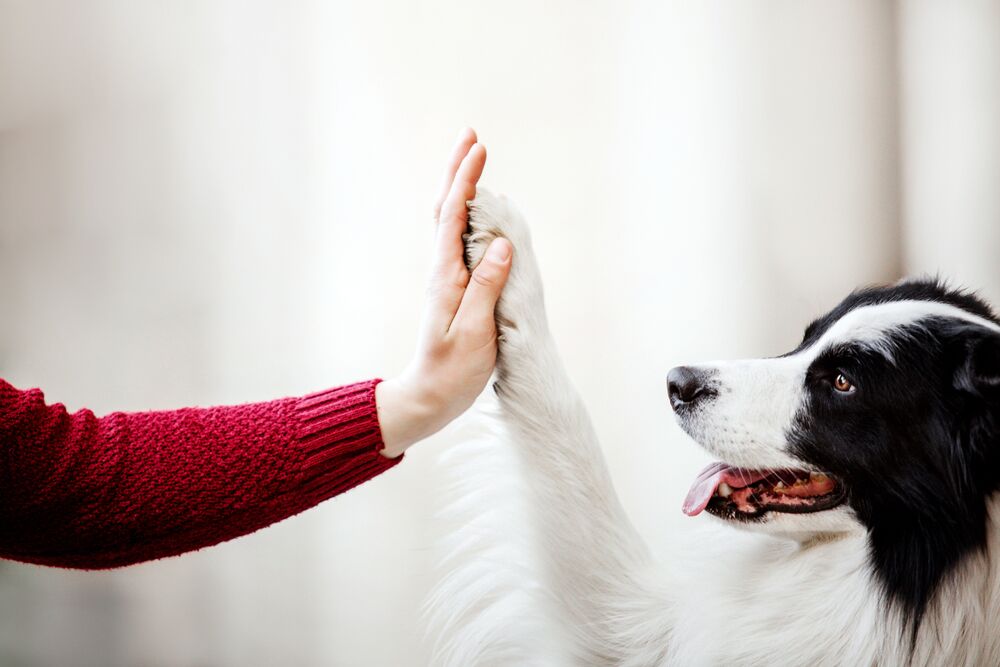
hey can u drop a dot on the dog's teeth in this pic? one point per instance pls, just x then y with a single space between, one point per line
725 490
818 478
779 485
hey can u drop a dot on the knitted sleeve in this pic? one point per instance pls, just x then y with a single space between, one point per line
81 491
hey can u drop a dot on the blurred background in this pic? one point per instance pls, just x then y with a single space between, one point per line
217 202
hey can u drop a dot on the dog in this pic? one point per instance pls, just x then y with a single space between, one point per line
854 502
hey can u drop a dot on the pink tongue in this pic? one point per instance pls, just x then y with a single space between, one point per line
708 481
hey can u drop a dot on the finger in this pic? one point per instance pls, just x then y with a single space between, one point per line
465 141
449 250
449 275
475 314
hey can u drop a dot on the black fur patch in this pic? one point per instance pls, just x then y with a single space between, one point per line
917 444
920 290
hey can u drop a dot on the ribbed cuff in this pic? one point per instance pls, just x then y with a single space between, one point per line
341 440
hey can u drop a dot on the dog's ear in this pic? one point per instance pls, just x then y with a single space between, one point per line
979 369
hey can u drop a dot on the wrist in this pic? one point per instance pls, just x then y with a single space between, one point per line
406 415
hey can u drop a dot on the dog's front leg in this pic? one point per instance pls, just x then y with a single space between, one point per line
593 554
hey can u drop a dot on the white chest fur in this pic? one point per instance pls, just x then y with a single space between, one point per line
751 599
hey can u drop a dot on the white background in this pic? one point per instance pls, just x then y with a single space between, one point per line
219 202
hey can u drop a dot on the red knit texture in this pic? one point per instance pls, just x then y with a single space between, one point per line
86 492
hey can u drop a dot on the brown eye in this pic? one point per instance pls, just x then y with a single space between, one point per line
842 384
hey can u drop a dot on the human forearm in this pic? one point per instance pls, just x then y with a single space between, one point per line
89 492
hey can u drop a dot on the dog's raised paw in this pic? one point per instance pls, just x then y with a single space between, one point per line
493 216
520 313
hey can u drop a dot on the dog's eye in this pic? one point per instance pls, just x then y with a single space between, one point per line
842 384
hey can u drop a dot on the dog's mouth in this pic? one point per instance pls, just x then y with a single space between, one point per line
746 495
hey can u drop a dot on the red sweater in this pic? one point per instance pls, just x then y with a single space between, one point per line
87 492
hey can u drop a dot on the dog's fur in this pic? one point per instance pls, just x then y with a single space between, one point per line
547 569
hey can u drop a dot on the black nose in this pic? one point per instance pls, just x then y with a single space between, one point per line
685 385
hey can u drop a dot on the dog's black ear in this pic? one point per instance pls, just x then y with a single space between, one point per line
979 371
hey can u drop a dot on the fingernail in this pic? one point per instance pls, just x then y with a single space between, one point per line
499 251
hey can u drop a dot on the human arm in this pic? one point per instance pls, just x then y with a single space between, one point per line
77 490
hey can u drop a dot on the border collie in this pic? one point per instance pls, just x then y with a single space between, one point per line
860 470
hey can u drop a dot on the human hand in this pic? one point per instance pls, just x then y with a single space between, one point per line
457 347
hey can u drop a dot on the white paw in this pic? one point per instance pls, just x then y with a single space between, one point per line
520 312
492 216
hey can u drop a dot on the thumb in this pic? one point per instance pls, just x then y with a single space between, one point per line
475 314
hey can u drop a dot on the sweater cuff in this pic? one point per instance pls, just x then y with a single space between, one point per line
340 439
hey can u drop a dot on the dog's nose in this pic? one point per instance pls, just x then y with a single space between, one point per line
685 385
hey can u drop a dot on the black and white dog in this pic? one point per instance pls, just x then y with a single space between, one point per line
862 467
